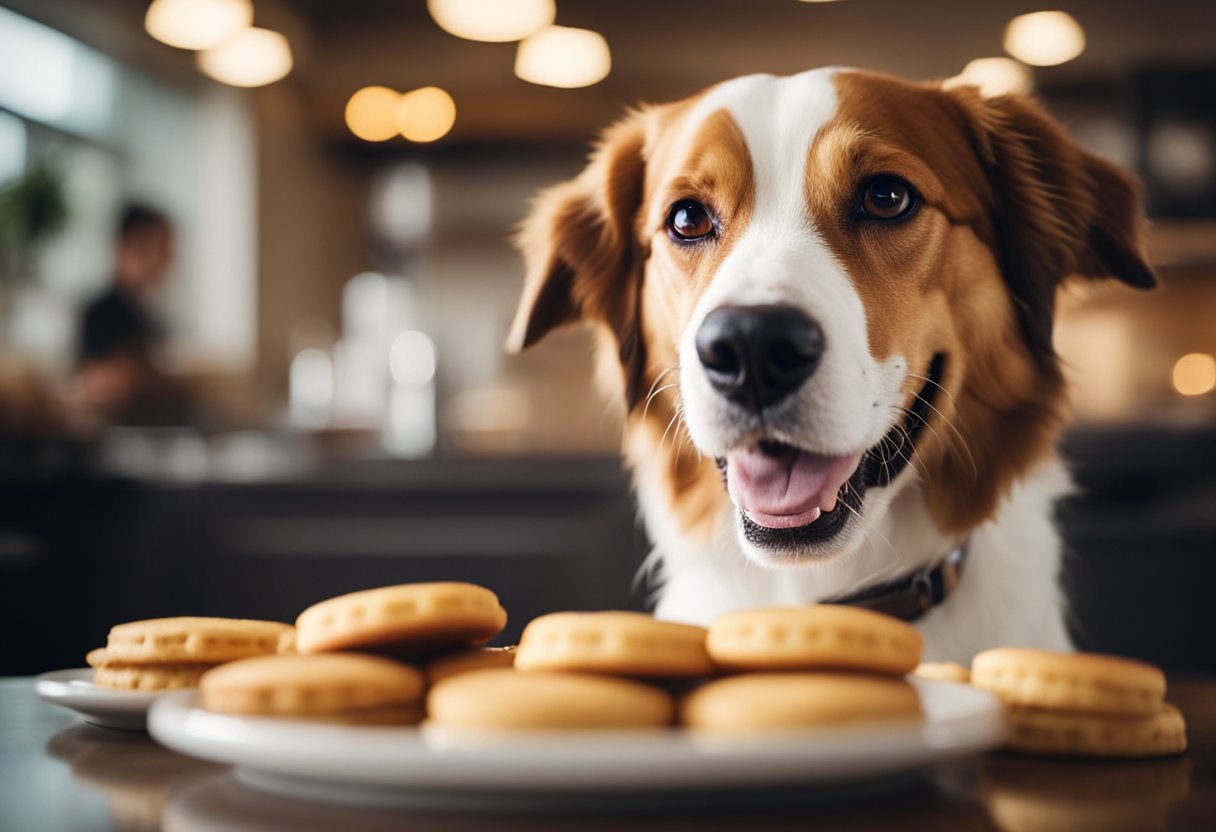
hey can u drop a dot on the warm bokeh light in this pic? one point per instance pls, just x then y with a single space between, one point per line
426 114
371 113
994 76
1195 374
1044 38
496 21
563 57
250 58
197 24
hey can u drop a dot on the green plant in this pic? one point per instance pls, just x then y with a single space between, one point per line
31 210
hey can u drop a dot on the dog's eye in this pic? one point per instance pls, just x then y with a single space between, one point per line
887 198
689 220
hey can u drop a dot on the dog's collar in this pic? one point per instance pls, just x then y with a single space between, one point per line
911 597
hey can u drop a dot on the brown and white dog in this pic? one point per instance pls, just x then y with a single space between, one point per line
835 291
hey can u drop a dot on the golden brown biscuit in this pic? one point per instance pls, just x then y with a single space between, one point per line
1056 733
464 661
149 677
1084 682
503 700
764 702
341 686
616 643
119 675
404 619
820 637
193 639
943 672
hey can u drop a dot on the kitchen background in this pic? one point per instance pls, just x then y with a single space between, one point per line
340 182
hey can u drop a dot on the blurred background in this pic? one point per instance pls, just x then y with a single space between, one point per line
255 275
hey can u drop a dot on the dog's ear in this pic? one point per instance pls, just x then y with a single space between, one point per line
580 248
1058 210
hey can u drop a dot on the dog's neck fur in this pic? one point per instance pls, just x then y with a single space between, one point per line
1012 566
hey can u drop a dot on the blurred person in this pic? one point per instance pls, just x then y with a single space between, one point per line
117 379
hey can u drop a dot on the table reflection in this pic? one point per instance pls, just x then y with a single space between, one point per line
133 773
1037 795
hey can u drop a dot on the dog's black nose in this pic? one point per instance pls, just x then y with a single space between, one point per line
758 355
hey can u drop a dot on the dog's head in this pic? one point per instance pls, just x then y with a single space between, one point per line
855 277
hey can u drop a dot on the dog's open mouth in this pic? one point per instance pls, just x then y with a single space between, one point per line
790 498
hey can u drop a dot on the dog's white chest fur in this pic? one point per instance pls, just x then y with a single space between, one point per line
1008 595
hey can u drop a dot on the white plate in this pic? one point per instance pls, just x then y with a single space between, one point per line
365 764
123 709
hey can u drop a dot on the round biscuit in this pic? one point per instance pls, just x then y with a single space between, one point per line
118 676
469 659
334 684
501 699
407 618
943 672
819 637
1084 682
1056 733
758 702
616 643
193 639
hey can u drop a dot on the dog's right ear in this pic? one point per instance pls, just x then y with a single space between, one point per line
579 245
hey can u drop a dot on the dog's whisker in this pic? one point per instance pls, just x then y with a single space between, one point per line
650 395
867 526
975 471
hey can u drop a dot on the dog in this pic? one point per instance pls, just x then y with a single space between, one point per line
826 301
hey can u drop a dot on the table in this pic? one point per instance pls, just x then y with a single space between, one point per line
57 773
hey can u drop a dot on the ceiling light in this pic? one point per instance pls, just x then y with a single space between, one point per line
426 114
563 57
1044 38
496 21
197 24
994 76
371 113
250 58
1195 374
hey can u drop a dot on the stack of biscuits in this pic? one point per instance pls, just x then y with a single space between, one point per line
174 653
1081 704
364 658
786 668
401 654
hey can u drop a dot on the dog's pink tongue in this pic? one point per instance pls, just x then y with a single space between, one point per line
786 489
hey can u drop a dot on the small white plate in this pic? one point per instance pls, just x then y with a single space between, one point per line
387 765
126 710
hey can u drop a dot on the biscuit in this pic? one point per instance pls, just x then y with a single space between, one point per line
1035 731
499 699
821 637
338 686
193 640
1085 682
149 676
616 643
463 661
408 618
943 672
757 702
118 675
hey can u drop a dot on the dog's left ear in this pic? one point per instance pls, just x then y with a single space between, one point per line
581 254
1059 210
